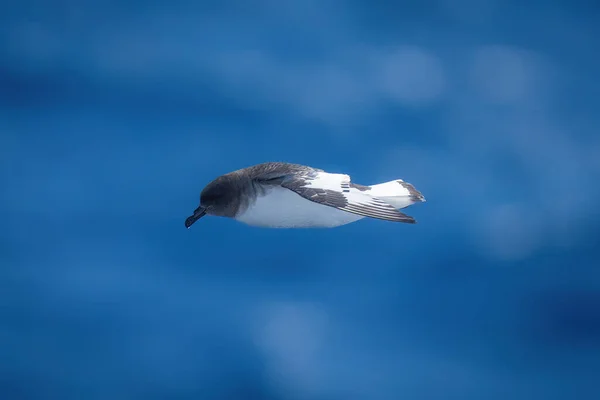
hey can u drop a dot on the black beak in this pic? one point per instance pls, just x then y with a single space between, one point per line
198 213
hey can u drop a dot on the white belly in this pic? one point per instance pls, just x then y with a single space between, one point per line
282 208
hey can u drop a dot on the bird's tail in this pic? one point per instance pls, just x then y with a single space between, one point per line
398 193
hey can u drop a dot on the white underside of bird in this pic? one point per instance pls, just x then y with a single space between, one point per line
280 207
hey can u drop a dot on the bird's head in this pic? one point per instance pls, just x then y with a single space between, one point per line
217 198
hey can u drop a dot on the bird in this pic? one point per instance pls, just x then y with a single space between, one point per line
286 195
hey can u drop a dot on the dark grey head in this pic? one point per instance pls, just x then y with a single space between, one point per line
220 198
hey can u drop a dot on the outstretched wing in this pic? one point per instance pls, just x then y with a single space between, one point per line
334 190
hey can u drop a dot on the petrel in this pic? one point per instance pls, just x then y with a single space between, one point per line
284 195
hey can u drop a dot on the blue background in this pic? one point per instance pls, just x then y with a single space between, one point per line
114 115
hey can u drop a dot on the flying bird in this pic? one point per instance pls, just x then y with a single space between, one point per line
284 195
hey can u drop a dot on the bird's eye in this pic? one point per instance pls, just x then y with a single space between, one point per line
209 198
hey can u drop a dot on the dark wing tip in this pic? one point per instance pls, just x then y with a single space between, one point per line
407 219
415 195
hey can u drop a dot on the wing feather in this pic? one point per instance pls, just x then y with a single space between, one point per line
334 190
368 206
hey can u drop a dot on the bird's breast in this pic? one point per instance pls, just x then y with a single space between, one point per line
282 208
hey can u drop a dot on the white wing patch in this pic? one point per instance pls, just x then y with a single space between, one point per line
327 181
334 190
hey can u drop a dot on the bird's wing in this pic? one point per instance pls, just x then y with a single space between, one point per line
334 190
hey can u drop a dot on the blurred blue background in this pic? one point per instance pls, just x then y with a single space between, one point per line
114 115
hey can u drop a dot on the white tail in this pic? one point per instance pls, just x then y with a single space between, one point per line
398 193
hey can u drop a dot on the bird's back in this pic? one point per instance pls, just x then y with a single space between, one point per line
268 170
